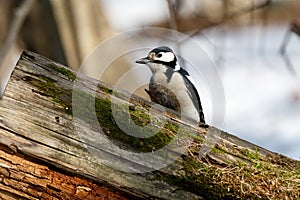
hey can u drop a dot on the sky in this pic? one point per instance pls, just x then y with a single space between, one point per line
262 98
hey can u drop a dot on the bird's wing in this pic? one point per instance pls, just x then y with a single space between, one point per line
189 82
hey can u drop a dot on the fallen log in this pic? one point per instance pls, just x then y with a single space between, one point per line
51 146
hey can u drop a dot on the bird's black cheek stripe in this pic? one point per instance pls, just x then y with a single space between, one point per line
171 64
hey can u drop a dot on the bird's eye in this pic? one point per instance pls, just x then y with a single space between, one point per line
159 55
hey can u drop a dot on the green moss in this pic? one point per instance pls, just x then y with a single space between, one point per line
253 155
200 179
139 117
46 87
216 150
107 90
62 70
172 127
106 121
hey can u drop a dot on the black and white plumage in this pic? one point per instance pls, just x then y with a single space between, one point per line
172 86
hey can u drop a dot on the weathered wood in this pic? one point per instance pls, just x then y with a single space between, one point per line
39 134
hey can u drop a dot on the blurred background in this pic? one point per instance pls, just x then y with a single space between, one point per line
253 44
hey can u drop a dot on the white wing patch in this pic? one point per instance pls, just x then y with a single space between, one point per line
191 79
166 56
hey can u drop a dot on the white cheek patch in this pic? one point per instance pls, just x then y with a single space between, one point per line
166 57
177 67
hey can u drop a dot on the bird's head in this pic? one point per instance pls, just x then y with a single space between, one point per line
160 57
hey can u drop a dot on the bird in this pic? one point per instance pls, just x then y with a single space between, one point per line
171 85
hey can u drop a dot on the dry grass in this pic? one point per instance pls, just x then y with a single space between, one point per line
251 176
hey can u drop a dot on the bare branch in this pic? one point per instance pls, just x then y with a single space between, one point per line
173 18
229 16
294 28
20 16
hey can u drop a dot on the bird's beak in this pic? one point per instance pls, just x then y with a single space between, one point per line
143 60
